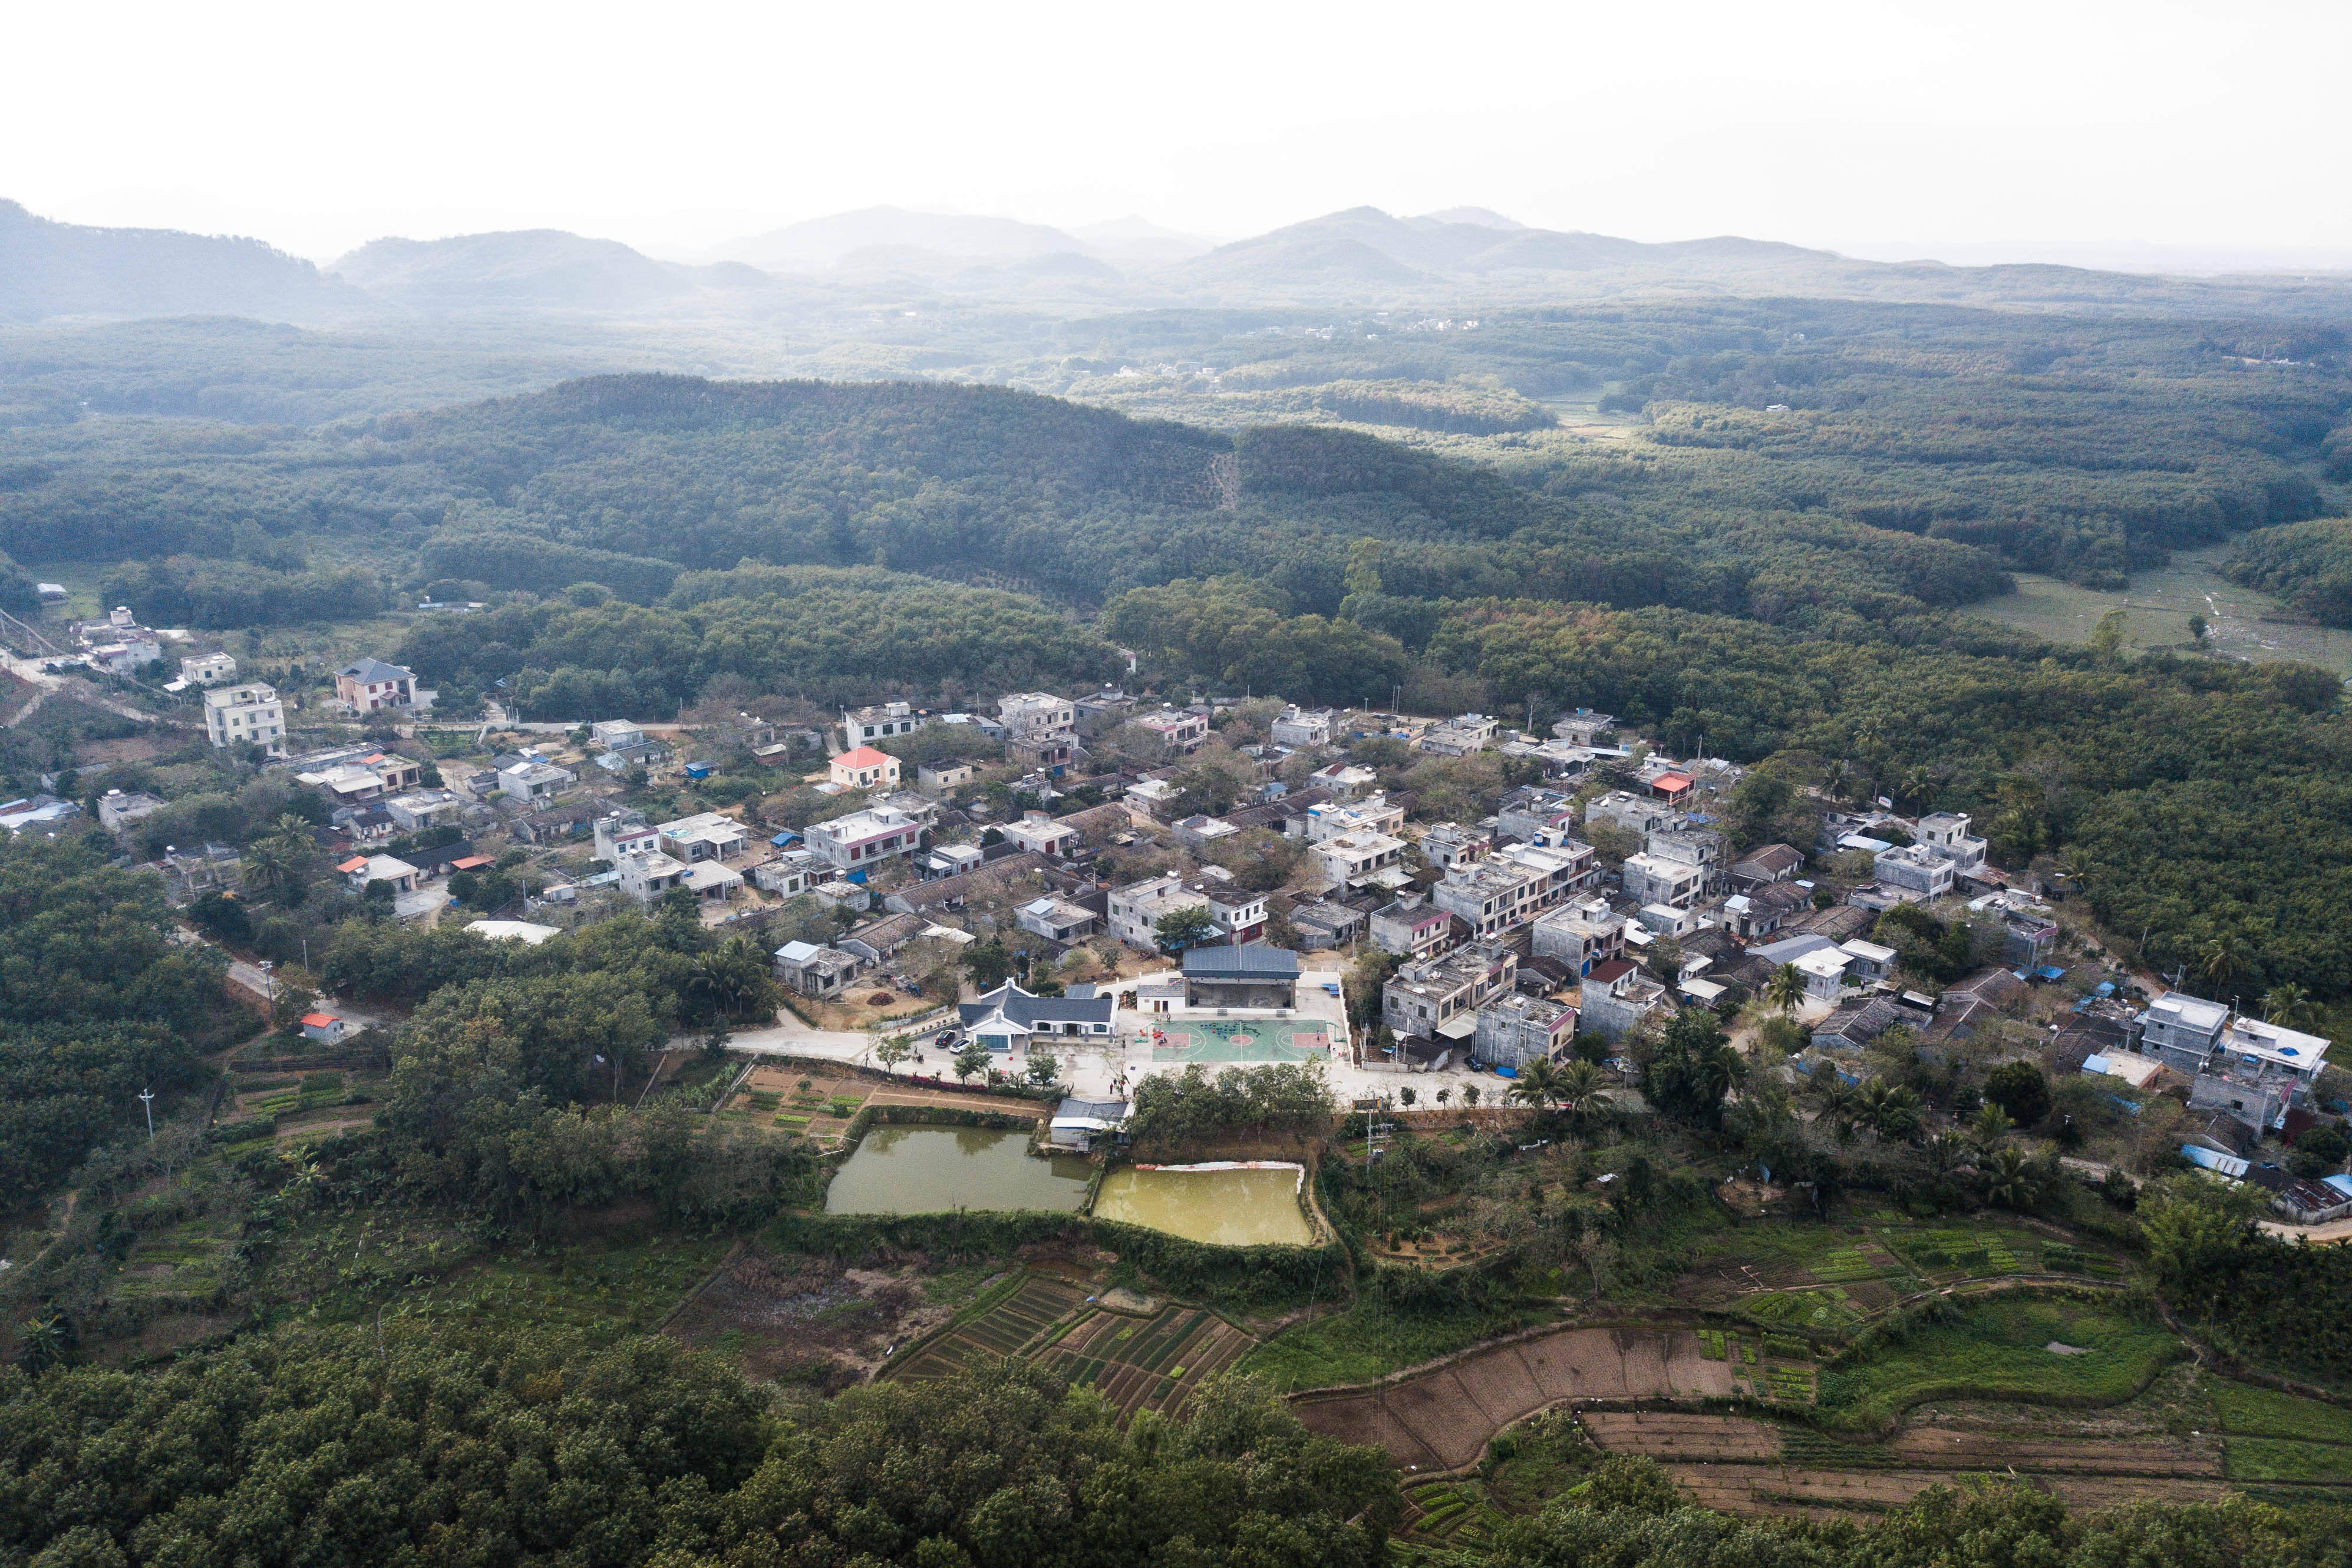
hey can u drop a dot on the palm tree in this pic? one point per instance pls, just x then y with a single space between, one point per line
2287 1005
1841 1104
2008 1182
1989 1130
268 862
2223 958
1786 988
1944 1152
1579 1088
1918 785
1891 1111
1538 1084
1720 1071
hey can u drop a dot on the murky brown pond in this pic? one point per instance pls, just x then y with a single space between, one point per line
1223 1207
936 1170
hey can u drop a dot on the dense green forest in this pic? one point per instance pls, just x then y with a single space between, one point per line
2309 565
97 1003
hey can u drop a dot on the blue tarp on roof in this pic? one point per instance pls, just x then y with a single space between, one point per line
2048 972
780 840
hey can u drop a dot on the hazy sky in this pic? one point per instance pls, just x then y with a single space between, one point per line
319 127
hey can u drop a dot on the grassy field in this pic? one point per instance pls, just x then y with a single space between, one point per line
2001 1350
2243 1410
1372 1340
2157 608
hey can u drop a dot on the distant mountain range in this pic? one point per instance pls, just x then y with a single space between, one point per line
884 256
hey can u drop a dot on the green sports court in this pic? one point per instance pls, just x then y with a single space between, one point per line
1282 1039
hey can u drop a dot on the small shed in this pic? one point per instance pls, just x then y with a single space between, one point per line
324 1028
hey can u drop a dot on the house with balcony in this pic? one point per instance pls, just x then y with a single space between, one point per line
1946 835
247 713
1438 998
646 877
864 769
371 685
865 725
1533 815
1585 727
705 836
1179 730
856 843
1634 814
815 971
1040 731
1041 834
1055 920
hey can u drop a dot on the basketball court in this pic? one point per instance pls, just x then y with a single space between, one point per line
1283 1039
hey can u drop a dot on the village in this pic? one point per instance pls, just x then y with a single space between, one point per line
1079 892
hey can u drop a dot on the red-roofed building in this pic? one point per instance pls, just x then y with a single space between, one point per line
324 1028
357 862
1608 972
1672 786
473 862
866 768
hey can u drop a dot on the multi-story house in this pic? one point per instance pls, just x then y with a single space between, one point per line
1709 851
865 725
1515 1030
705 836
1450 844
1508 889
1372 814
1914 874
247 714
1536 816
1302 728
1350 857
2257 1071
1579 935
1411 927
207 669
1946 835
1178 730
1652 880
857 843
1040 731
1634 814
1235 915
371 684
1616 998
1440 997
1460 737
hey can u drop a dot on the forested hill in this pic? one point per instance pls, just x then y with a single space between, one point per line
628 481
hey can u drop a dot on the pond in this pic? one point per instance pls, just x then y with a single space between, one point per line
934 1170
1224 1206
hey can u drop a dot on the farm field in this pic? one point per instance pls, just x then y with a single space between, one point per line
2157 608
1140 1355
2050 1352
818 1102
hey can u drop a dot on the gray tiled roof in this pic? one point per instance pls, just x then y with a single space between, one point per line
1254 959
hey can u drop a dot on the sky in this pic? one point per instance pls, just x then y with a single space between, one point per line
1896 131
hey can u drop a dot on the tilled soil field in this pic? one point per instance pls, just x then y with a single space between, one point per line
1440 1419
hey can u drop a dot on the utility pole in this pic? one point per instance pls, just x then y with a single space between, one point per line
147 1101
269 985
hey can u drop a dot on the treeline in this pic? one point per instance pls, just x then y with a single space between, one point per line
2273 1303
829 636
2308 565
365 1447
182 591
97 1004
